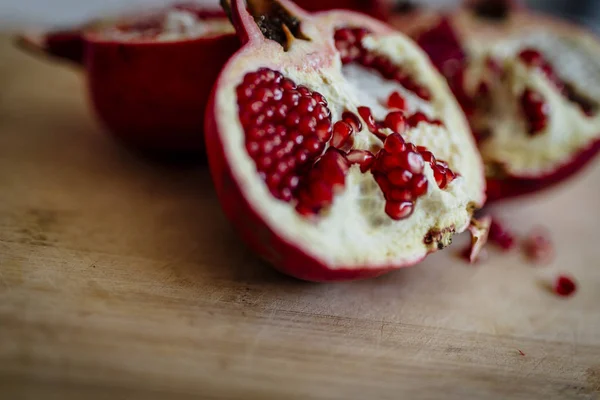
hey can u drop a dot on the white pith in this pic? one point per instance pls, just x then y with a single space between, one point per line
355 231
175 25
569 130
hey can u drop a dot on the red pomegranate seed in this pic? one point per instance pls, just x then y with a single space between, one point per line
353 120
440 177
400 177
531 57
400 195
318 189
394 143
341 134
536 110
367 116
412 162
399 210
306 105
321 112
538 247
363 158
564 286
307 124
324 131
416 119
419 185
396 101
500 236
319 98
396 121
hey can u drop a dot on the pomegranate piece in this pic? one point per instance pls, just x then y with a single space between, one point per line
479 230
296 162
564 286
149 76
538 247
518 162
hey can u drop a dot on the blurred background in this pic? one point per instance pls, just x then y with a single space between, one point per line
16 13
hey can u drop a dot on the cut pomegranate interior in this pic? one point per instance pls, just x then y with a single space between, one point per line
316 153
528 84
149 75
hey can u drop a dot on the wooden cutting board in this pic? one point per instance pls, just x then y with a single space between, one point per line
121 278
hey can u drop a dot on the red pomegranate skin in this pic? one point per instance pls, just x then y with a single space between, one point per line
153 95
513 186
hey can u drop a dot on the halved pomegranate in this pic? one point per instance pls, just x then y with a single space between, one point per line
529 85
315 151
149 75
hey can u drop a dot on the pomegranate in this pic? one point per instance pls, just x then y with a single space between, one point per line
528 84
315 164
149 76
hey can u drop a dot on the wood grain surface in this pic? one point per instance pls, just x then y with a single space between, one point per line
120 278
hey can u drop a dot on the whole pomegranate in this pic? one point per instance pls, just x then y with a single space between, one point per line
336 148
529 85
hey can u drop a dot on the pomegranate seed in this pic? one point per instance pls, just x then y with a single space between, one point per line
383 183
321 193
427 156
531 57
440 177
344 35
302 156
367 116
363 158
321 112
389 162
538 247
306 105
341 133
352 119
536 110
412 162
307 125
564 286
394 144
273 180
264 163
324 131
399 195
500 236
319 98
303 90
252 148
399 210
396 121
419 185
416 119
396 101
291 98
400 177
313 145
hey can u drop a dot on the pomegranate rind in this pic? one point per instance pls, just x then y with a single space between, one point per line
148 94
479 230
272 228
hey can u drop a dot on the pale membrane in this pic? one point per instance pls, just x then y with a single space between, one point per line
356 231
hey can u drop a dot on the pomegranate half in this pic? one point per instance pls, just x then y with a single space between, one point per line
529 85
336 148
149 75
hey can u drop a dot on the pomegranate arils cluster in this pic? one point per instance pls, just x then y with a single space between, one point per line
398 169
286 128
348 41
536 111
326 177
